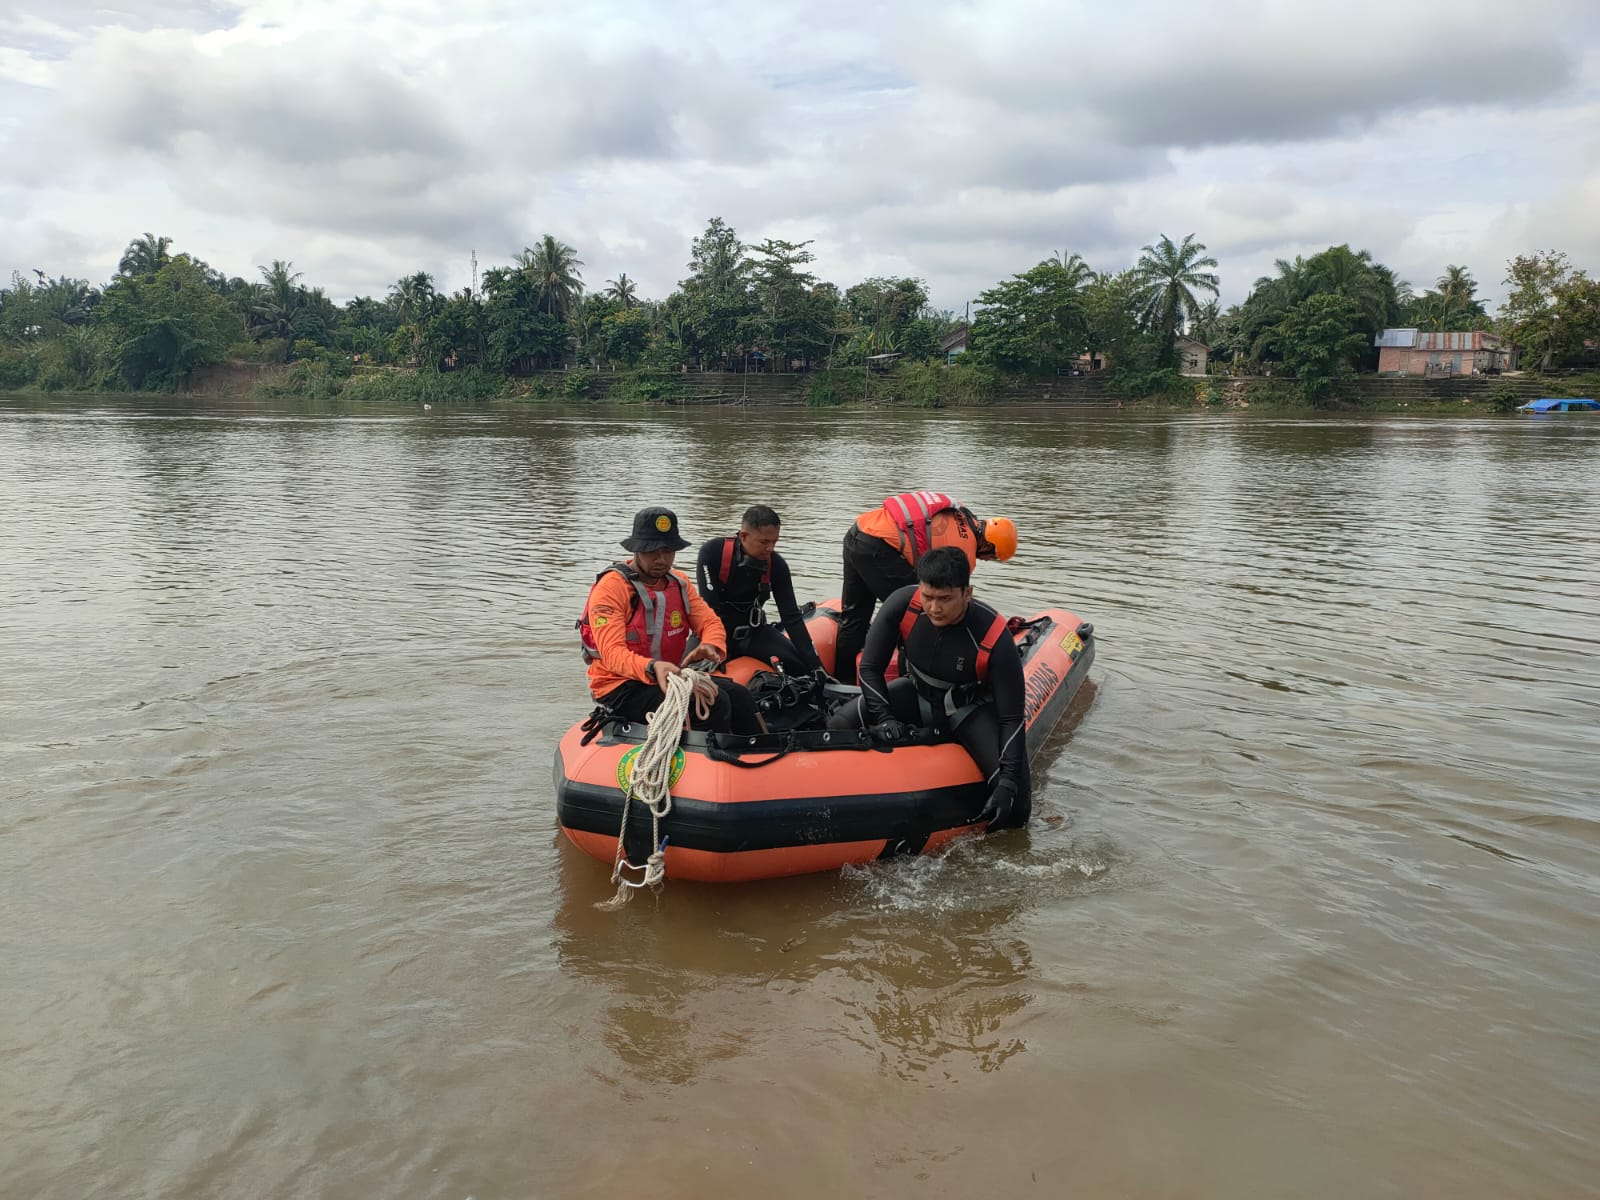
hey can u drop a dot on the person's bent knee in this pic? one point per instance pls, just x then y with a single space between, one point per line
740 706
720 718
847 716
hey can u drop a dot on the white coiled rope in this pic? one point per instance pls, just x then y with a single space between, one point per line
650 782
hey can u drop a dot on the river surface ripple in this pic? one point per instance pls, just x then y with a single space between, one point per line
1310 905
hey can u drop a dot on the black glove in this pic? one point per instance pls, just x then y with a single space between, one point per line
997 812
888 732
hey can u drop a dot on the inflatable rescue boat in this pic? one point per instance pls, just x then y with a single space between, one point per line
801 797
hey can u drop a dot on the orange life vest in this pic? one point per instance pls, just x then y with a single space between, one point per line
651 630
911 512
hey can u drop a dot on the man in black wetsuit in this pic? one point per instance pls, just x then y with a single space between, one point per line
963 677
737 574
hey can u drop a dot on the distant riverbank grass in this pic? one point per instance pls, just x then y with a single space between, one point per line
930 385
334 380
648 386
917 385
1276 395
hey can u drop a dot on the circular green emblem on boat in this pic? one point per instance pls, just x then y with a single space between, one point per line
625 768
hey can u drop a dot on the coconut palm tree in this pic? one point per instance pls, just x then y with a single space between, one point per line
274 305
1169 277
623 290
145 256
1457 287
362 311
1078 272
1455 305
280 280
1206 324
413 300
553 267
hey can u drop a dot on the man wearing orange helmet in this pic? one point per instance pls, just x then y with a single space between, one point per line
881 552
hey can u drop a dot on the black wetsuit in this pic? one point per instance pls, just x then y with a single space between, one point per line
994 733
740 605
873 571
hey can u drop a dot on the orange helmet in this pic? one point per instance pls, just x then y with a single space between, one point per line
1000 533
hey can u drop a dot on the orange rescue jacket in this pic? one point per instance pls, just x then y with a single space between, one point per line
609 612
947 528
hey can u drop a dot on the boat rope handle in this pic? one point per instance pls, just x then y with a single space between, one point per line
724 754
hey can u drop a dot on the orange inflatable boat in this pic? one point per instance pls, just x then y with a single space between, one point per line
804 798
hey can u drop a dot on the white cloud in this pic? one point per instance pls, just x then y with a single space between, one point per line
1195 75
19 66
958 142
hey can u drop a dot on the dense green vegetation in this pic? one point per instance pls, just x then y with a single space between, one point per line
742 307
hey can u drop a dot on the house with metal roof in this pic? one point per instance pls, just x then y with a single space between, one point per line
1442 353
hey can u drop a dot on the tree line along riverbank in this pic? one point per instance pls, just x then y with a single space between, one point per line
164 317
911 386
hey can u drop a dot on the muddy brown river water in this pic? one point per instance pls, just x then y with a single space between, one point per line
1310 905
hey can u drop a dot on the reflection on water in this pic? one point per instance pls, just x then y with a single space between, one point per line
1309 894
915 959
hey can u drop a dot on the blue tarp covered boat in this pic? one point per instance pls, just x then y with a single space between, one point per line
1554 404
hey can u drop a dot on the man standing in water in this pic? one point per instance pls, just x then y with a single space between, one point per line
881 552
737 575
963 678
635 630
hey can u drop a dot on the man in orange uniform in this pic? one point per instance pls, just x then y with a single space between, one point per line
881 552
635 631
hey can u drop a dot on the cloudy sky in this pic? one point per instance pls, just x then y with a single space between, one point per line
960 143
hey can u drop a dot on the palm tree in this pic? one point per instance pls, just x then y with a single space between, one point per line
280 281
274 304
145 256
1207 323
1378 297
553 268
363 310
1267 305
1457 306
1078 272
1169 276
68 301
1352 274
622 290
413 300
1457 287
